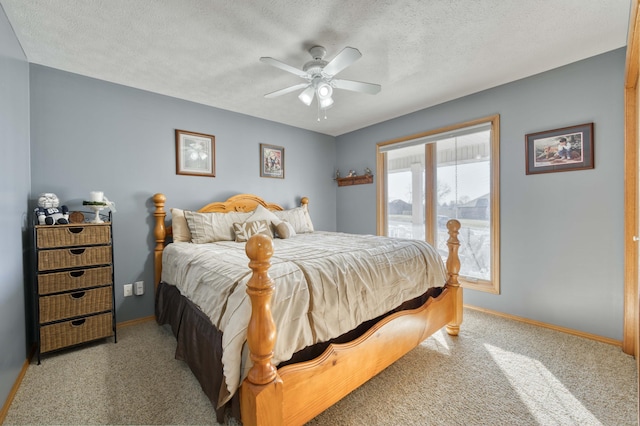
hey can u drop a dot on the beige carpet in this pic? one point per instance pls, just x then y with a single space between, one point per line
497 372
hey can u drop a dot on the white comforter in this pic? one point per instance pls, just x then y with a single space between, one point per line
325 285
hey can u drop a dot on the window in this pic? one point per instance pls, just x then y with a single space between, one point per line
449 173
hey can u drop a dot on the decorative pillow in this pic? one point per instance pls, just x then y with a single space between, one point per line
299 218
179 226
246 230
285 230
262 213
212 227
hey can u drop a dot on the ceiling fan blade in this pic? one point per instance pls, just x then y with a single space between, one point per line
346 57
286 90
356 86
283 66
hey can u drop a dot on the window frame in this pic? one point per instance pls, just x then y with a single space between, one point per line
489 286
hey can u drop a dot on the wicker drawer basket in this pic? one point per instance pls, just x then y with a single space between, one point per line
60 335
72 235
68 305
71 258
56 282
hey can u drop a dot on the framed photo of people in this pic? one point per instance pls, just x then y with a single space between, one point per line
560 150
271 161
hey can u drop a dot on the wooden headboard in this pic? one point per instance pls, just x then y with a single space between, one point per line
237 203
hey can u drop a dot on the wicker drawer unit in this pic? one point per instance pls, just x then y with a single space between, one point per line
75 304
72 235
73 284
68 333
57 282
73 257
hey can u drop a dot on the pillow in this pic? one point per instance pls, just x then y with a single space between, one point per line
246 230
299 218
263 213
179 226
212 227
285 230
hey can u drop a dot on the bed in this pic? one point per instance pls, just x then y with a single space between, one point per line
263 357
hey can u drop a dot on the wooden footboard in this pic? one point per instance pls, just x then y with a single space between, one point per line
296 393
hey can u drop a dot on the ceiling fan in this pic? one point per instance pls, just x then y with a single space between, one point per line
319 75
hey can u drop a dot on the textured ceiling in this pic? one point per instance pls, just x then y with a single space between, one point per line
422 52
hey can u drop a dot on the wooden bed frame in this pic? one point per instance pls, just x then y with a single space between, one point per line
296 393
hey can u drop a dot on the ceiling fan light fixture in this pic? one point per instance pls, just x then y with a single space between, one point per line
326 102
324 91
307 95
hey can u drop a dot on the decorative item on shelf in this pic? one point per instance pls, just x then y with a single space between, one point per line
76 217
337 174
98 202
353 179
48 212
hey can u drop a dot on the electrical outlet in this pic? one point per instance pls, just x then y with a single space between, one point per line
138 289
128 290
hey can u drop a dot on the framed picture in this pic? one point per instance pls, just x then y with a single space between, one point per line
560 150
195 154
271 161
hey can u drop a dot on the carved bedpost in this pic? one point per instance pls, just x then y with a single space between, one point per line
453 268
261 391
160 234
304 202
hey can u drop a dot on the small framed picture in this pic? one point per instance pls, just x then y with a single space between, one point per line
195 154
271 161
560 150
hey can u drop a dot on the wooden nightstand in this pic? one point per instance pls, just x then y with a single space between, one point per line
73 286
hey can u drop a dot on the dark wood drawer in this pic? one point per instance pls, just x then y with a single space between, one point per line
56 282
73 257
68 333
74 304
72 235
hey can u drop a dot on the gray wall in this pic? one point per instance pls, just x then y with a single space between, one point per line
14 188
88 135
561 233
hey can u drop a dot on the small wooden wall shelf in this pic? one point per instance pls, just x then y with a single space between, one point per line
355 180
